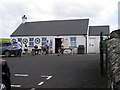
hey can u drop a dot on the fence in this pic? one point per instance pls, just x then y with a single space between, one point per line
111 63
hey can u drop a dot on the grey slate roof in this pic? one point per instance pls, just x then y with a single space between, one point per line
53 28
96 30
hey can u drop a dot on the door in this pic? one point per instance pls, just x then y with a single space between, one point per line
57 44
92 45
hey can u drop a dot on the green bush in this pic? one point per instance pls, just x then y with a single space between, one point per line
4 40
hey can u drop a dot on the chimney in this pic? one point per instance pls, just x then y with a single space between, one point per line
24 19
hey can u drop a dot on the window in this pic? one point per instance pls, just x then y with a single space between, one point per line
31 41
44 40
73 41
6 44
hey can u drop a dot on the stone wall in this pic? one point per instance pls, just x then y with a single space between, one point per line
112 62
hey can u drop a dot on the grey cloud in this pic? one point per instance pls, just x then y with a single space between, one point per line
11 16
12 11
76 10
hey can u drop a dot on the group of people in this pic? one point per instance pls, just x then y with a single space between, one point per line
44 48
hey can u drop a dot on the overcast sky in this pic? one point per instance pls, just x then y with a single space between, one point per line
100 12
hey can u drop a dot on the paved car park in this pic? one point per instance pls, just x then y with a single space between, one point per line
52 71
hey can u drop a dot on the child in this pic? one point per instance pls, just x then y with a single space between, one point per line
59 51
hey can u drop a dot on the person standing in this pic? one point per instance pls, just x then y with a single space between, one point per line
14 49
47 47
43 49
36 50
25 48
59 51
62 48
19 49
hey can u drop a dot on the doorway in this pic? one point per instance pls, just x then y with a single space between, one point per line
57 44
92 45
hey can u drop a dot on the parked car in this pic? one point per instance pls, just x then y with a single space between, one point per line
5 83
7 49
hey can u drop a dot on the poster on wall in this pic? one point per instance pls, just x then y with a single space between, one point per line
13 40
20 40
66 43
37 40
25 40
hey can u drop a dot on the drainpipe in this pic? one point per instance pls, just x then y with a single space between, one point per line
86 43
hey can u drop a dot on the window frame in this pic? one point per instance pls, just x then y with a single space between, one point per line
44 39
31 42
73 41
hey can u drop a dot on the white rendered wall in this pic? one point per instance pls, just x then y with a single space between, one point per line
97 42
81 40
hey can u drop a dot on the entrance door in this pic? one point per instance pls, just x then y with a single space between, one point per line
57 44
92 45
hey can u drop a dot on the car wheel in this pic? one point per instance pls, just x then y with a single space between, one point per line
4 85
7 53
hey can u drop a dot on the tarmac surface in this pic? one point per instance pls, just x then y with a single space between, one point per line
52 71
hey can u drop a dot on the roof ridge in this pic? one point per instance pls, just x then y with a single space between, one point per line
58 20
99 25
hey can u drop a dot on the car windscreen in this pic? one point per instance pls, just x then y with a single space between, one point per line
6 44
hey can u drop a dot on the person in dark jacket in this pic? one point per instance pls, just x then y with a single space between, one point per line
47 47
36 49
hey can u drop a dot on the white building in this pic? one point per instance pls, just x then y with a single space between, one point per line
70 33
94 37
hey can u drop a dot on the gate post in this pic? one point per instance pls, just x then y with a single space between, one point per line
101 54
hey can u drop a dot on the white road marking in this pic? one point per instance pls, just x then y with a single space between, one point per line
21 75
49 77
40 83
15 85
44 76
32 89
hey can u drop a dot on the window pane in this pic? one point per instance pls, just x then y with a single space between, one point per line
44 39
8 44
73 44
31 39
43 43
72 38
73 41
31 43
